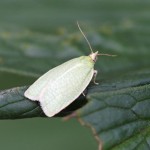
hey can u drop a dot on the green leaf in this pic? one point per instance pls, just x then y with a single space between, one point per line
13 105
119 116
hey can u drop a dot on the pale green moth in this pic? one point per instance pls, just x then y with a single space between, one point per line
61 85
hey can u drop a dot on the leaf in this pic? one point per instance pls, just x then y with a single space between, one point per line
120 116
13 105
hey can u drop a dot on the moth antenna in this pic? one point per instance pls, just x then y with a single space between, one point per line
107 55
85 37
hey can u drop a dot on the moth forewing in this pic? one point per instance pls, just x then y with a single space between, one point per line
64 91
62 85
34 91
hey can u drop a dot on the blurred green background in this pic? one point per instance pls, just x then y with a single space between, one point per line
49 17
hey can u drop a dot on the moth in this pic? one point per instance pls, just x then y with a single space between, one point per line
61 85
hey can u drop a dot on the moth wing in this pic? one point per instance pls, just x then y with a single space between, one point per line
35 90
65 89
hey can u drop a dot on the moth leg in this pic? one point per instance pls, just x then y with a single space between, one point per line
83 94
94 77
